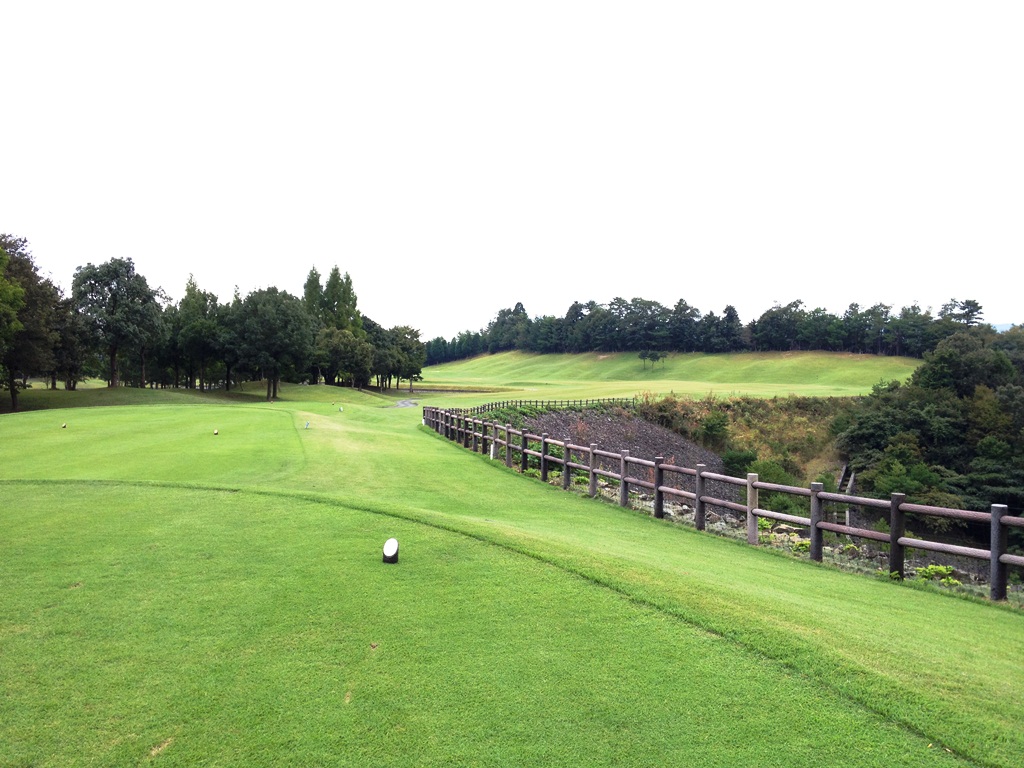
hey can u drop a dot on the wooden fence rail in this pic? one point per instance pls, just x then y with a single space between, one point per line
625 402
521 449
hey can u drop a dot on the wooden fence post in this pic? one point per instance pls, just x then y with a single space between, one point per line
544 457
592 488
483 436
897 527
473 439
997 580
566 472
623 472
524 457
751 506
659 480
817 534
699 512
508 446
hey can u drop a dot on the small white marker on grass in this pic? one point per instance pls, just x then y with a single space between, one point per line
391 551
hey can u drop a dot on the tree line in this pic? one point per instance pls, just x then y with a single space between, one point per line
645 326
116 326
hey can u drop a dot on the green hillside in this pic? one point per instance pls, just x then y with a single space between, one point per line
624 374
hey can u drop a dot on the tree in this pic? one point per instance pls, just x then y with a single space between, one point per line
12 299
684 327
912 332
71 351
967 312
29 348
571 328
121 307
731 330
962 362
855 329
710 334
645 325
343 357
820 329
778 328
313 297
229 343
546 335
410 353
275 335
198 332
339 303
438 351
356 361
510 329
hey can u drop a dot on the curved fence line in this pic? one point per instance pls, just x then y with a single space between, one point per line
522 450
625 402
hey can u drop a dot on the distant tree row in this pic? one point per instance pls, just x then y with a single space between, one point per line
641 325
116 326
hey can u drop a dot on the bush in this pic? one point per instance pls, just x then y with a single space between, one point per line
737 462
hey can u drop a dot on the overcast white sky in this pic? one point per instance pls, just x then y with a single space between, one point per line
457 157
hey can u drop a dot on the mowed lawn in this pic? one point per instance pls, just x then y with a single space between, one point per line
174 596
624 374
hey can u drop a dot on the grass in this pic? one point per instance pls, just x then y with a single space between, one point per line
223 602
819 374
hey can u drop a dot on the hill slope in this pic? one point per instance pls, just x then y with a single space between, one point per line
624 374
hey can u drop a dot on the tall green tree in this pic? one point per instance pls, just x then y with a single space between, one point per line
546 335
684 327
778 328
72 349
731 330
912 332
411 354
199 332
12 299
122 308
229 342
646 325
510 329
275 335
343 357
340 303
29 350
313 297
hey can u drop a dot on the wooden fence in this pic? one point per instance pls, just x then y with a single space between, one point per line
521 449
625 402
